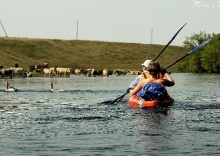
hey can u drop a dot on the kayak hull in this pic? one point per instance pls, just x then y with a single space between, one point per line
136 101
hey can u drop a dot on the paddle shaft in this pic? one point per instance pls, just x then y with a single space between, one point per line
169 42
119 98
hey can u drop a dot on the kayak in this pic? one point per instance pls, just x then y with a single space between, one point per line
136 101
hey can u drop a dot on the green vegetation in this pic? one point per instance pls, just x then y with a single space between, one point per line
205 61
84 54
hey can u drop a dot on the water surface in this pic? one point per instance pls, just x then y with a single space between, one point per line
35 121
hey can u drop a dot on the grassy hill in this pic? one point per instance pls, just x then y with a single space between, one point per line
84 54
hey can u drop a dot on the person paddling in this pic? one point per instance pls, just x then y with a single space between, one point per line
145 74
153 82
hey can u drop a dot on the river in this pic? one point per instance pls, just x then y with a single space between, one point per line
35 121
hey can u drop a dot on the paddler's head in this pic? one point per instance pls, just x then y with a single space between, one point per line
154 68
146 64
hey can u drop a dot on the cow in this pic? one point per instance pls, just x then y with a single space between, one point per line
53 70
28 74
1 71
19 71
31 68
105 72
137 72
133 72
39 68
47 72
97 72
6 73
119 72
64 71
89 72
78 71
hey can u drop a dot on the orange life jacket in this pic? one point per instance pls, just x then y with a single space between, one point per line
145 76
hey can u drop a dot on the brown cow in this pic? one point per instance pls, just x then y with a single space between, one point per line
39 68
97 72
6 73
31 68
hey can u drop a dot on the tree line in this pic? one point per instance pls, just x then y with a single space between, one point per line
207 59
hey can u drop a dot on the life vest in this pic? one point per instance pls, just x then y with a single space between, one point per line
147 75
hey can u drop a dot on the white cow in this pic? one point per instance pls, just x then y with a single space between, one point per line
63 71
47 72
78 71
105 72
53 71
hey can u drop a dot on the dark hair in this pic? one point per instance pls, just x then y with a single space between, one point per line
154 68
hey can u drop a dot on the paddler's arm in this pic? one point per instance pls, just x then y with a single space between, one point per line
135 82
169 80
138 87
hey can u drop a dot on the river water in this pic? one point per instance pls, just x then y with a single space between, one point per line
35 121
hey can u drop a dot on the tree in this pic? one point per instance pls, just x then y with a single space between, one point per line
211 55
194 62
195 40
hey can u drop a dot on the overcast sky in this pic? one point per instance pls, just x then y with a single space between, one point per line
131 21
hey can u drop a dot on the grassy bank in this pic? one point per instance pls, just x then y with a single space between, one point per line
84 54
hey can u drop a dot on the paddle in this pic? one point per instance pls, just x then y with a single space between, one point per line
169 42
120 97
117 99
189 53
192 51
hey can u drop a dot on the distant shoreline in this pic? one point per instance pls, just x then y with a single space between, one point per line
84 54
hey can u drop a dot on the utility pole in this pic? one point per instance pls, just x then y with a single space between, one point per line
4 29
77 30
152 35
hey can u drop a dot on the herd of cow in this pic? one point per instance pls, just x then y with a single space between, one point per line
104 72
13 71
47 71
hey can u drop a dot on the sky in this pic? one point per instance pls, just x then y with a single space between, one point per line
128 21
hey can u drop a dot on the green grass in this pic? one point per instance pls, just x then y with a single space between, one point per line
84 54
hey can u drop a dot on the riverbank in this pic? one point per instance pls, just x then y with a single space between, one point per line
84 54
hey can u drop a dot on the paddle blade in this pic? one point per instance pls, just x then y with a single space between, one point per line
200 46
106 102
192 51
